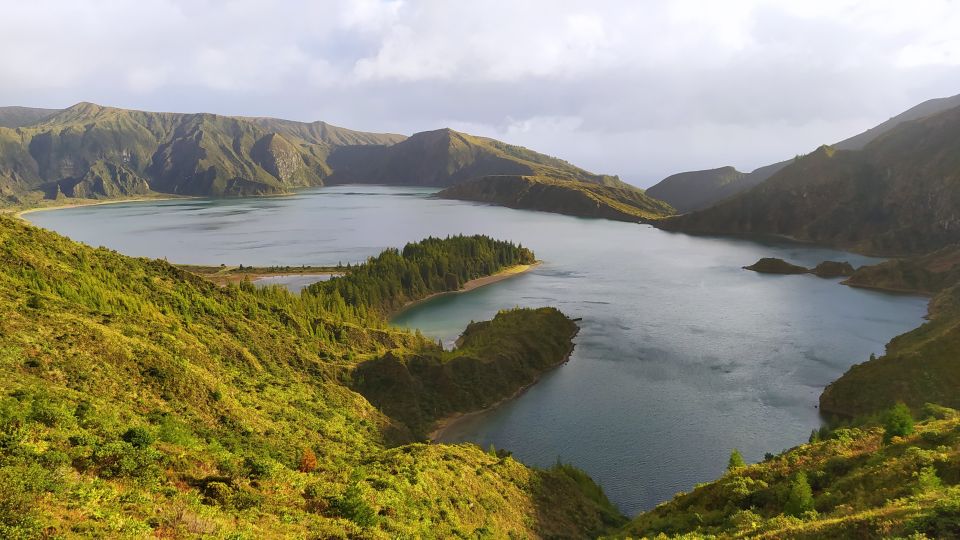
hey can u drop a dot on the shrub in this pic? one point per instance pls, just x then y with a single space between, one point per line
138 437
799 496
308 461
736 460
352 505
897 422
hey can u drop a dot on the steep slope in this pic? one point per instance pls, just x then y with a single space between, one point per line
139 400
697 190
848 483
14 117
583 199
898 195
446 157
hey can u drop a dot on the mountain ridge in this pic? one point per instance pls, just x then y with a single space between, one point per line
711 186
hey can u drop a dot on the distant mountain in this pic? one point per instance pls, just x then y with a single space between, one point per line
900 194
697 190
14 117
91 151
621 202
446 157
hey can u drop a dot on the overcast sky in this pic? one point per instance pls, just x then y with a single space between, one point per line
637 88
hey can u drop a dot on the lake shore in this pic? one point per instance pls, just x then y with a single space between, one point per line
445 423
506 273
77 203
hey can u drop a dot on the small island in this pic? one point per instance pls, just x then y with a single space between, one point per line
773 265
826 269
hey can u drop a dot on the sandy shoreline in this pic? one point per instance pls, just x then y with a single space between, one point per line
445 423
20 213
506 273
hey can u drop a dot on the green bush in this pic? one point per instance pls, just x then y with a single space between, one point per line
799 496
897 422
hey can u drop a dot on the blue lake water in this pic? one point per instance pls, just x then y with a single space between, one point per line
682 354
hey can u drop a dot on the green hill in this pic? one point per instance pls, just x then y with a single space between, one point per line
140 400
696 190
609 200
898 195
446 157
847 483
14 117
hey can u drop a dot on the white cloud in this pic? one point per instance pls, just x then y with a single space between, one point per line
637 88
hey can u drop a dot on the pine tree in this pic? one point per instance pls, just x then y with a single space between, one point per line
799 497
736 460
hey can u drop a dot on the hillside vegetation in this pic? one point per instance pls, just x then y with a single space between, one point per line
610 200
848 483
140 400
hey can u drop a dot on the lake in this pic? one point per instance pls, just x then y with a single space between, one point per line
682 354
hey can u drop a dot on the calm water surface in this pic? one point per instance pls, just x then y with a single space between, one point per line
681 357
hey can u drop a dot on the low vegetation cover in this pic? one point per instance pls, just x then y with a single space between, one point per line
138 399
885 479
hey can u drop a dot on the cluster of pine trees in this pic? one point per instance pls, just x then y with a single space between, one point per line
388 281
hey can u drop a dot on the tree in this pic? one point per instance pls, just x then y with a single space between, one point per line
898 422
736 460
799 497
308 461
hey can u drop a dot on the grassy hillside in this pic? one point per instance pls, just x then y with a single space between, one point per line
14 117
140 400
697 190
446 157
848 483
616 201
899 195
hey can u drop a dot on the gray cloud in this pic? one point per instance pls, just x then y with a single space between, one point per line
640 89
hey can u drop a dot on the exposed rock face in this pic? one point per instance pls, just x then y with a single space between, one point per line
106 180
281 159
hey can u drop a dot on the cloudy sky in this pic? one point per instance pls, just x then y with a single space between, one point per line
636 88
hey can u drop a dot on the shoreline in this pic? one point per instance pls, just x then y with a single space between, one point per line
76 203
445 423
506 273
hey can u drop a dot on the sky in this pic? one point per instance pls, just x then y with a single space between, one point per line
642 89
